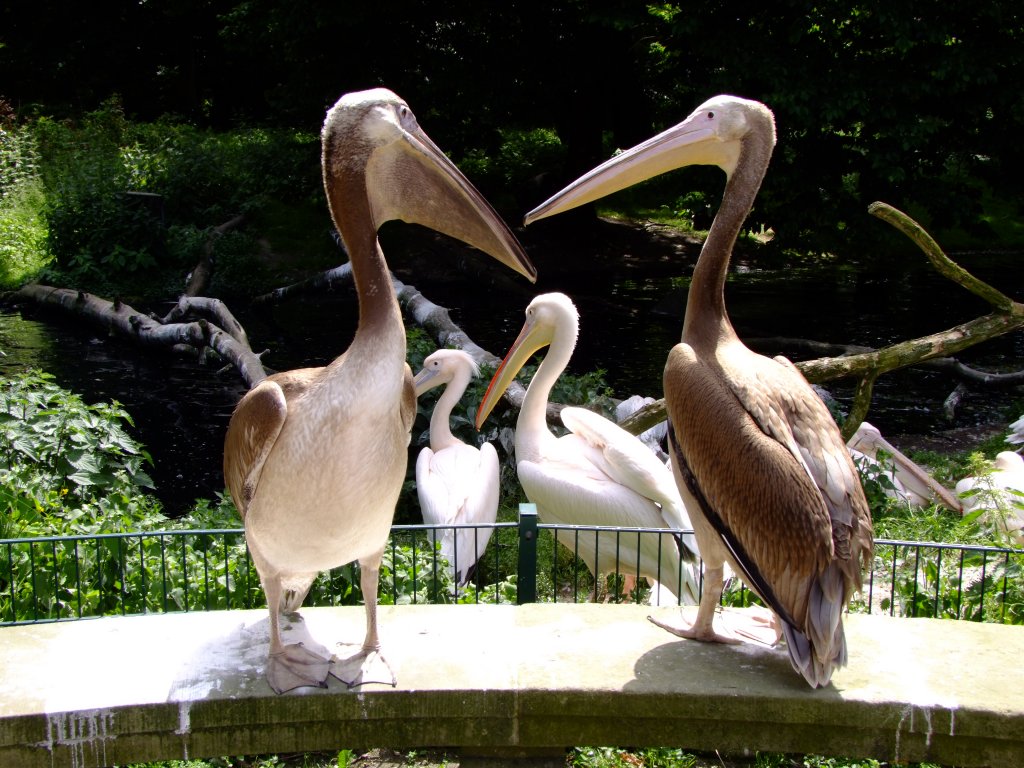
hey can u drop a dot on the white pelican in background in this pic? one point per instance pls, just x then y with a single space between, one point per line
999 493
456 483
315 458
1016 436
761 465
599 474
911 483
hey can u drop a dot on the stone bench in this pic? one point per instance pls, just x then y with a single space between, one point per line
503 680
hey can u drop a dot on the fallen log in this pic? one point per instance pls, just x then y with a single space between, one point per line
123 321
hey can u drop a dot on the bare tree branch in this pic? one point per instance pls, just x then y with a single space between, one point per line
324 281
199 277
869 365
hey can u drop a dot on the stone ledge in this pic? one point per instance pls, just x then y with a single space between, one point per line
518 679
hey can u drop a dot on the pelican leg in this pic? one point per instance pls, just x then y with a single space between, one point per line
292 598
289 666
367 665
703 627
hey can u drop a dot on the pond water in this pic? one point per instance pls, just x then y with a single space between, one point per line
631 302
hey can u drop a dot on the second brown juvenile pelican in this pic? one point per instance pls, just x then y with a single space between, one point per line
315 458
759 461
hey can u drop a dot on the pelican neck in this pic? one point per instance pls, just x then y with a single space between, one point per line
707 320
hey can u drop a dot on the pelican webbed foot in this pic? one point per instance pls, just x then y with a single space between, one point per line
295 666
366 665
733 627
706 634
755 623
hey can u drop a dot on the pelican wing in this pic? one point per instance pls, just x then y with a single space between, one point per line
481 509
452 486
752 489
482 501
253 430
623 457
820 445
407 405
459 485
575 492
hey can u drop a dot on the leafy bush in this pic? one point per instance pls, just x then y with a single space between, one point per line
512 168
67 465
124 199
23 230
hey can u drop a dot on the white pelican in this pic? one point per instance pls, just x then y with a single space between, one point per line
760 463
457 484
911 483
1000 493
315 458
1016 436
599 474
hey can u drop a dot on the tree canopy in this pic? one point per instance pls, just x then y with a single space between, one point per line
917 105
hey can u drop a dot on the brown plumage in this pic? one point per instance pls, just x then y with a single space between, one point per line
315 458
760 463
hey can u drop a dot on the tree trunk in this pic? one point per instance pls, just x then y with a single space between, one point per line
123 321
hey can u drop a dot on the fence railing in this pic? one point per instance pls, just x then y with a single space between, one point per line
74 577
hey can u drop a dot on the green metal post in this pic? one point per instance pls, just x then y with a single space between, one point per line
526 580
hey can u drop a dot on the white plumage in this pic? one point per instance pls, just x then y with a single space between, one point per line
598 474
1000 493
457 484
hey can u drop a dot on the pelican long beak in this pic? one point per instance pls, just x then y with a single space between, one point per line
426 380
530 340
924 484
692 142
414 181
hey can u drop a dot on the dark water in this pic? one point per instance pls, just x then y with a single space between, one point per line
631 308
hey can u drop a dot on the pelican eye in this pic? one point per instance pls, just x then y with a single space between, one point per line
711 115
406 117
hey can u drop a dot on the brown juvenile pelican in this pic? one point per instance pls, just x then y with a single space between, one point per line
457 484
770 486
598 474
315 458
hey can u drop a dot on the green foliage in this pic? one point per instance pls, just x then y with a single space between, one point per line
415 572
126 201
975 584
23 229
63 460
993 508
513 165
612 757
877 481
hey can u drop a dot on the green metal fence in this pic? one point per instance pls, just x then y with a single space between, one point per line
74 577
